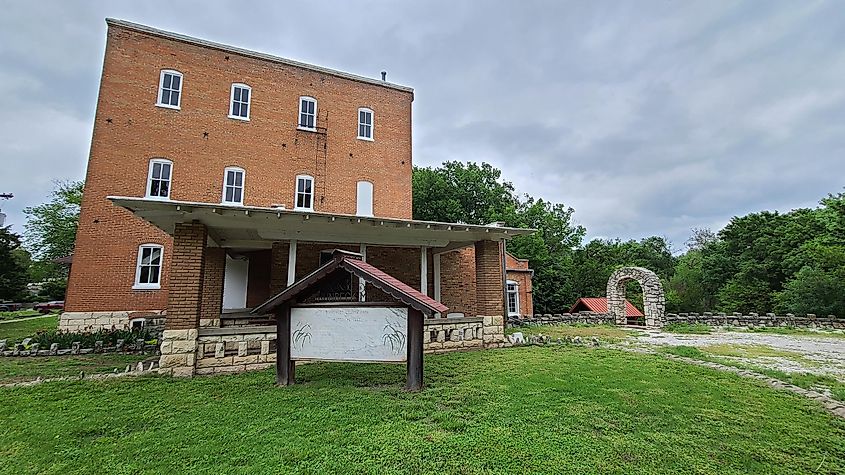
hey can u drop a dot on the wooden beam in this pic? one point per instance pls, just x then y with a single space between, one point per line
284 366
414 377
291 262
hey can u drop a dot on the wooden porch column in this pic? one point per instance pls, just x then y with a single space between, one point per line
285 368
362 285
424 270
292 262
414 369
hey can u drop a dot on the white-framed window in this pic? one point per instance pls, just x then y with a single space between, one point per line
304 199
307 113
513 298
158 179
239 101
170 89
148 269
365 124
233 185
364 199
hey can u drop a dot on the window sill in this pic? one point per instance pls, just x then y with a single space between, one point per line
237 117
168 106
232 203
146 287
366 139
306 129
157 198
308 210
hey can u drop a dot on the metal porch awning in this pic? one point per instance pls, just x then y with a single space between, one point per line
253 227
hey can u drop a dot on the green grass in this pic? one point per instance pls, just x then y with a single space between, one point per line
802 380
19 314
17 331
790 331
603 332
26 368
522 410
688 328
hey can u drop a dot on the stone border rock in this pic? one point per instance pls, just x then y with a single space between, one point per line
654 300
27 348
137 370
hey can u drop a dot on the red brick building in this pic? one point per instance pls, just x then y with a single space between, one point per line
218 176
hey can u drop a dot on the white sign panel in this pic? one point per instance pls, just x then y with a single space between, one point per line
349 333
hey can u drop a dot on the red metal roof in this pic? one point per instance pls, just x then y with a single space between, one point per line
599 305
351 262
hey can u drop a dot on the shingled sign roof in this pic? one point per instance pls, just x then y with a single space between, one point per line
353 263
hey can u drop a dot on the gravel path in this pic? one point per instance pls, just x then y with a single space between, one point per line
818 355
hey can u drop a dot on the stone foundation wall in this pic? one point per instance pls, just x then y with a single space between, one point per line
829 322
584 318
244 348
80 322
224 351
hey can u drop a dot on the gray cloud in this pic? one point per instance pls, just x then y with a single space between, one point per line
646 117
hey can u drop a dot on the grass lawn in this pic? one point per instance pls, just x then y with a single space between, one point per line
790 331
18 314
26 368
603 332
722 354
17 331
530 409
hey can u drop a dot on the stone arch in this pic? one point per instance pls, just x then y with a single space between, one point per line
654 301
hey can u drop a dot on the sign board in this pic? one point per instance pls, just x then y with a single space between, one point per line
359 334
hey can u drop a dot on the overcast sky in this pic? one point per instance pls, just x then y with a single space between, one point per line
648 118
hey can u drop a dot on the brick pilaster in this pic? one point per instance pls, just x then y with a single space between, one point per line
186 276
212 286
279 267
489 292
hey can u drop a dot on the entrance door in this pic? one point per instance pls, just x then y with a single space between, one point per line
234 283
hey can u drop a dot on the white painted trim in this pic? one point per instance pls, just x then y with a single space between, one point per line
242 187
299 116
362 284
178 105
150 179
296 193
516 300
424 270
372 124
138 285
291 262
232 101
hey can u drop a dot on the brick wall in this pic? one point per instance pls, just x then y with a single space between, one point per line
201 141
212 286
457 281
489 281
188 257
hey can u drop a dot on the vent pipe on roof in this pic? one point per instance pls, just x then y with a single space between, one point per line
384 75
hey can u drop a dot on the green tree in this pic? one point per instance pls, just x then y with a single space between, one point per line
13 273
50 230
457 192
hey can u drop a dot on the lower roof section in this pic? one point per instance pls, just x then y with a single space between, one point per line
253 227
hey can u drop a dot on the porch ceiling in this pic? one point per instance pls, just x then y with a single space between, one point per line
257 227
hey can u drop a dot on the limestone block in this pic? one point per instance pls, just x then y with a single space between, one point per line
265 347
469 333
250 359
229 369
219 350
183 346
166 347
231 338
182 372
211 362
201 371
172 361
242 348
488 320
455 335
